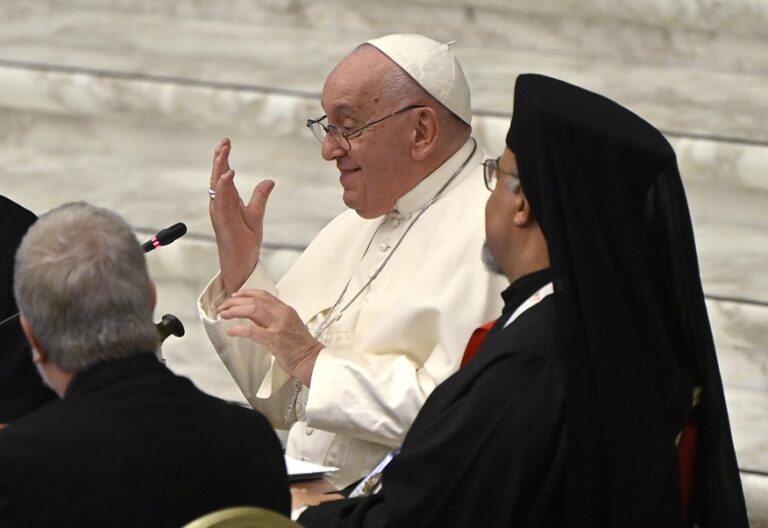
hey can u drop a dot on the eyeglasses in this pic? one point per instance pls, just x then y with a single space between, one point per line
321 130
491 173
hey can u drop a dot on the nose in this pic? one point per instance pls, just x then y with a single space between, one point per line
331 148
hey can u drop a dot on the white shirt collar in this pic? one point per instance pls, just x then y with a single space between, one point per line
533 300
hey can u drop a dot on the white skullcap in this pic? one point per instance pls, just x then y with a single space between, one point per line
433 66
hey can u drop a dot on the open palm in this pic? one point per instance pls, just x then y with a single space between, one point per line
239 227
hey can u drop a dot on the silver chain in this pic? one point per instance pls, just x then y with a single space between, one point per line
328 320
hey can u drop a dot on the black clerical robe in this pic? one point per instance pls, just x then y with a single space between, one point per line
488 447
132 444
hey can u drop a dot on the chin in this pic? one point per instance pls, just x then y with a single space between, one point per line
360 208
490 262
352 204
364 213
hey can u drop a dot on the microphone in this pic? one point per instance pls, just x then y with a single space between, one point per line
169 325
165 237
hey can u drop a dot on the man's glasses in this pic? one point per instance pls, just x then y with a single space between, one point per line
491 173
321 130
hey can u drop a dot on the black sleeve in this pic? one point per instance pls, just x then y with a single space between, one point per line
485 453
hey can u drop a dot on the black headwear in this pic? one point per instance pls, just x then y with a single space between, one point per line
21 389
605 188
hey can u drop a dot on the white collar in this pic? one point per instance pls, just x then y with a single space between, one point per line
415 199
536 298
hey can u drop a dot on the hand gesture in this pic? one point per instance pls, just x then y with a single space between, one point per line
239 227
277 327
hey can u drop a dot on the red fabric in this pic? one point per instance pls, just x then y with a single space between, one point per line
686 452
475 340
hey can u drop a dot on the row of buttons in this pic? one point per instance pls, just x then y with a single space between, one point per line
393 222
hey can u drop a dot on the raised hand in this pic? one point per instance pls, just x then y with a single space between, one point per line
277 327
239 227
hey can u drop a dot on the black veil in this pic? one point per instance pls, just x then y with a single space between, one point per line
605 188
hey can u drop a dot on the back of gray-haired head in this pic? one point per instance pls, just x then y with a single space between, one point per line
81 282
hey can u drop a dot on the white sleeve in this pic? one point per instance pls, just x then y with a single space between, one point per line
262 381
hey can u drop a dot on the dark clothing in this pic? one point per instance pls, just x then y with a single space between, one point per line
605 188
21 388
626 336
488 447
132 444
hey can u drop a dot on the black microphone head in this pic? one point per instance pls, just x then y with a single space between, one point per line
169 234
165 237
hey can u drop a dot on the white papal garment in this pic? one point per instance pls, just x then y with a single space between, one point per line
404 335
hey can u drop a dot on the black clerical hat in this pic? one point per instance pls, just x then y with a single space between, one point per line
605 188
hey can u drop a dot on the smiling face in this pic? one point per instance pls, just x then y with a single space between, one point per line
378 169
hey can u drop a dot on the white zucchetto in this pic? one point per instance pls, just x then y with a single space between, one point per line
433 66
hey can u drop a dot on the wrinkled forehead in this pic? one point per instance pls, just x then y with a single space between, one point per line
354 87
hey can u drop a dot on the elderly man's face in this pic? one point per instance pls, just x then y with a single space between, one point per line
374 172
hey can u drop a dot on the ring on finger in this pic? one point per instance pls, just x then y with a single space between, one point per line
211 193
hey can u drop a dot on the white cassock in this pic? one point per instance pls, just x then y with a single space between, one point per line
404 335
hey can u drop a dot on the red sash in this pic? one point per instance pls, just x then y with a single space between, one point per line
475 340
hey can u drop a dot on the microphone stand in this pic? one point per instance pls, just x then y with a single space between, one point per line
169 325
9 320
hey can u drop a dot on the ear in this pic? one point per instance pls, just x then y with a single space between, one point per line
39 355
424 133
152 294
523 215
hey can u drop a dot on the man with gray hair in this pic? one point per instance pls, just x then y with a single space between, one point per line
345 349
129 443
